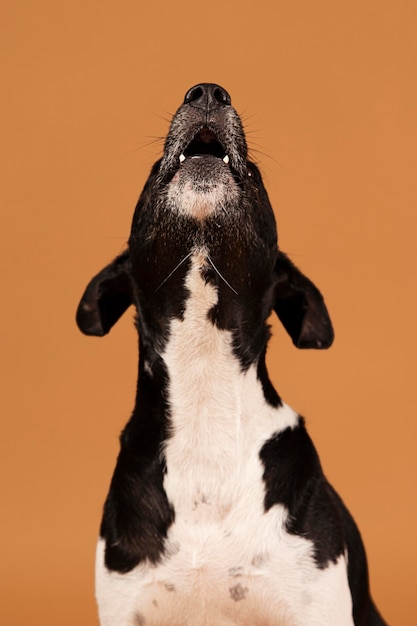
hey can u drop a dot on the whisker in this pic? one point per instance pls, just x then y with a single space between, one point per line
153 141
173 271
166 119
221 276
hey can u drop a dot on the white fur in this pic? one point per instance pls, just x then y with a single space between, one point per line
227 562
186 199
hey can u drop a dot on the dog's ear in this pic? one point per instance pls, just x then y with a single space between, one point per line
106 297
300 307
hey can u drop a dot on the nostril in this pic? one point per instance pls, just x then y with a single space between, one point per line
221 95
207 96
193 94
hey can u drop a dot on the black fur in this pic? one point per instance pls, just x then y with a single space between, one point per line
137 514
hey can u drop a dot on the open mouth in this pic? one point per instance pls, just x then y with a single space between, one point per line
205 142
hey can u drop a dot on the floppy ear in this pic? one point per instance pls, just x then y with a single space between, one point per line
106 297
300 307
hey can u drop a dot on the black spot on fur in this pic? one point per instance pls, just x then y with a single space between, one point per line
137 514
238 592
139 620
293 477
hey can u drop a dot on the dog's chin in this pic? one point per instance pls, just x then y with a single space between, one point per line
202 186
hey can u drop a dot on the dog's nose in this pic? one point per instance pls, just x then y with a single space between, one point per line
207 96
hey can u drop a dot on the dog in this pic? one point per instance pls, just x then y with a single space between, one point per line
218 512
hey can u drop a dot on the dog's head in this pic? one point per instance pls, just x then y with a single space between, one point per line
205 199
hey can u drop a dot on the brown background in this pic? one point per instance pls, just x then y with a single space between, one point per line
327 91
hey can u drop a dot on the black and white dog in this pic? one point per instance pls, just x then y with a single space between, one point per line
218 512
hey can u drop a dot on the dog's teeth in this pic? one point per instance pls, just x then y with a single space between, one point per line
226 159
182 158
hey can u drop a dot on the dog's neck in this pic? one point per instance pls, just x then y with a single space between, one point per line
201 345
209 393
205 377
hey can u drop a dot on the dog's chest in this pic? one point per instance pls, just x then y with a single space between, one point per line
232 568
226 560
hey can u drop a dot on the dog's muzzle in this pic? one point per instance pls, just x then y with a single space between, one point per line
206 125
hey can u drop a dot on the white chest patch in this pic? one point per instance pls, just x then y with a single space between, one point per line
227 562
